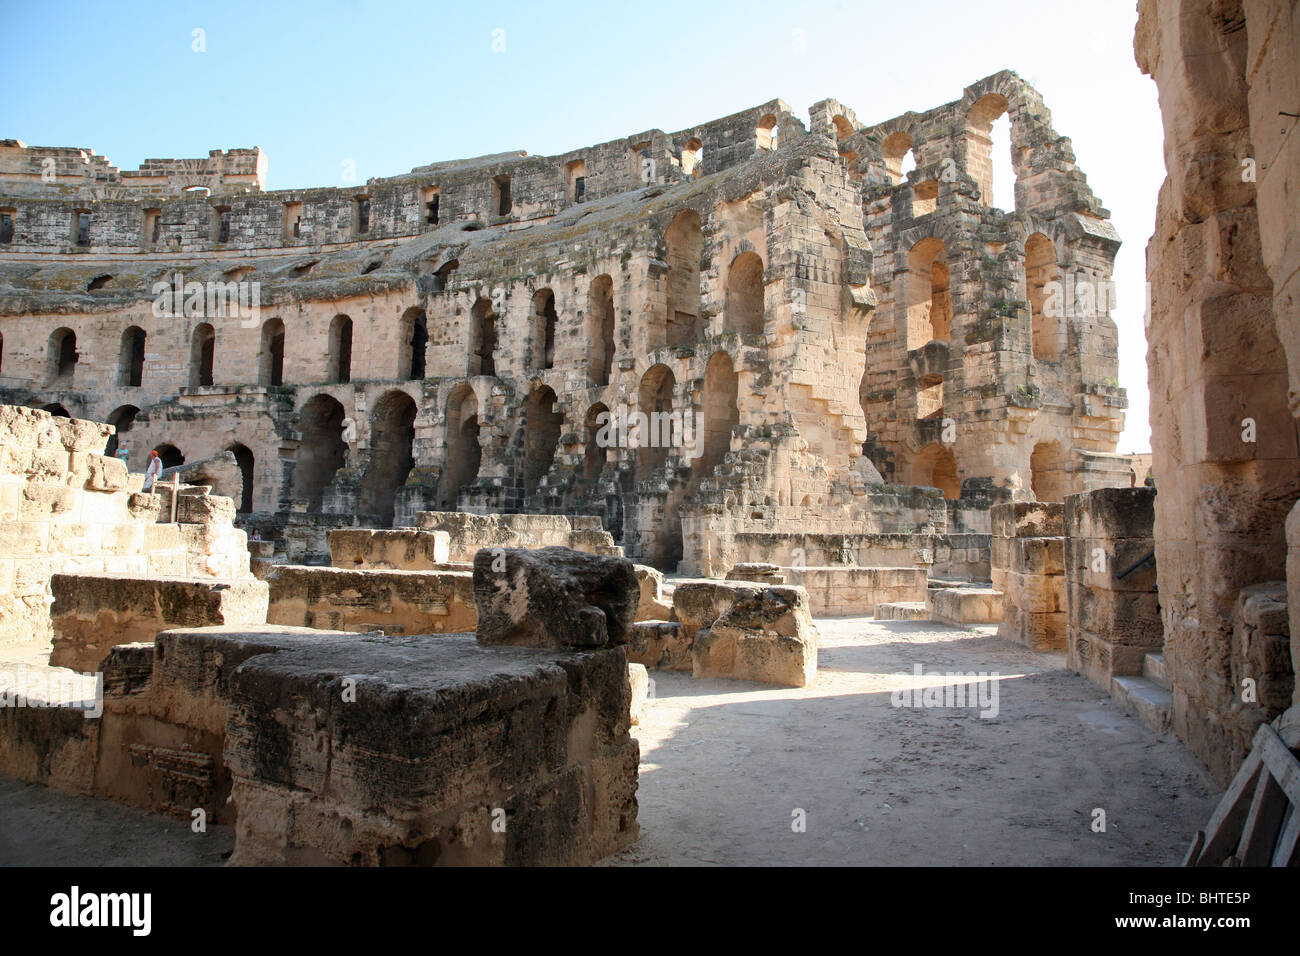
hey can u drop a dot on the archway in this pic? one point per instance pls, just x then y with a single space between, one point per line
929 302
61 357
542 425
987 122
600 330
544 318
392 440
595 453
936 467
121 418
203 349
244 458
171 456
1045 312
463 454
340 350
130 363
271 358
718 417
685 246
483 339
743 312
1048 477
655 399
415 337
321 451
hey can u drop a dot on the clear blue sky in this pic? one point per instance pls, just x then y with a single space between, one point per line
395 85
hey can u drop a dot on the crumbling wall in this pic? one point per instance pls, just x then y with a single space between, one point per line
1028 567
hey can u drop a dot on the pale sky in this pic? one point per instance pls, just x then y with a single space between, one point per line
391 86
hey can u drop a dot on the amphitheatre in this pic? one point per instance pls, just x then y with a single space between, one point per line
743 494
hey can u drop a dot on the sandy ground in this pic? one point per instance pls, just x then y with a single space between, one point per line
726 765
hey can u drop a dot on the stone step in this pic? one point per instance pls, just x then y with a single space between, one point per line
1153 669
1144 699
901 611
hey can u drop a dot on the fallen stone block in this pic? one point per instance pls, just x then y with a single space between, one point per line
660 645
759 633
961 606
651 605
553 597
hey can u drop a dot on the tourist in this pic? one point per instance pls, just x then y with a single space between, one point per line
153 471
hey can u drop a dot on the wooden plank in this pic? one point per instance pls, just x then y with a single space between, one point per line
1260 830
1285 853
1281 763
1194 851
1223 832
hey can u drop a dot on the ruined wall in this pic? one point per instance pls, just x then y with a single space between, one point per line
1222 341
448 339
64 506
1029 569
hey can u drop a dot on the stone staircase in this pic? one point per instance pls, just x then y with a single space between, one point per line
1146 695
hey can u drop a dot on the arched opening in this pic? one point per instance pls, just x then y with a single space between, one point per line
693 158
743 312
596 453
685 245
321 450
1048 477
2 354
244 458
600 330
988 168
929 397
929 302
392 441
766 133
203 349
340 349
542 425
122 419
57 409
655 400
719 417
61 357
463 453
415 336
171 456
896 148
544 318
483 339
270 365
1045 311
936 467
843 128
130 361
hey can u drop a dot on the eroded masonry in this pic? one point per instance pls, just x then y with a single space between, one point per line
800 321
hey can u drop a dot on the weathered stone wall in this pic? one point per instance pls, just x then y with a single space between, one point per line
1029 569
1113 623
64 506
1223 346
467 534
395 602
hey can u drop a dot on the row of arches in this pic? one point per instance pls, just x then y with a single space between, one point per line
935 466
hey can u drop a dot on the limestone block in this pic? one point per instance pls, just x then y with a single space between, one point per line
372 599
650 605
766 635
639 678
403 549
659 644
553 597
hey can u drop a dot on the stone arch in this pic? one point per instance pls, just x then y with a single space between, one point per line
982 116
392 444
543 320
1048 473
130 360
719 416
203 351
843 128
765 134
542 426
655 401
935 466
121 418
600 330
462 453
170 455
270 360
685 241
482 339
340 350
927 294
54 408
1045 318
414 338
61 357
743 311
595 453
245 460
321 450
894 150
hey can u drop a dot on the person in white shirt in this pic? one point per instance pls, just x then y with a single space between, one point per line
153 471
